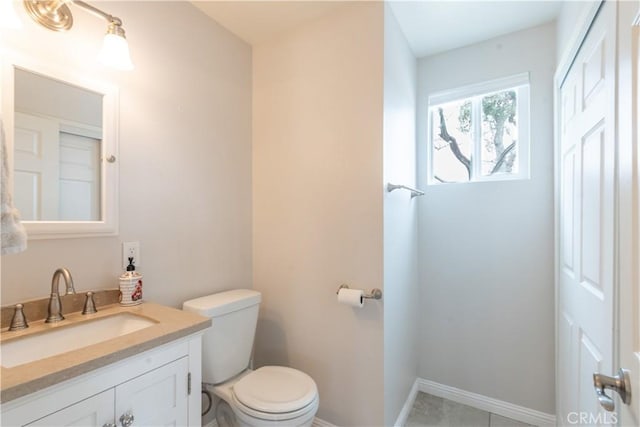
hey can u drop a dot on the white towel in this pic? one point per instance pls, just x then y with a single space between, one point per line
12 233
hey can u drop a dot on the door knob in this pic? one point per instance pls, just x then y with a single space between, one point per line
126 419
619 383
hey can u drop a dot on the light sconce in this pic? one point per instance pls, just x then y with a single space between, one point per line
56 15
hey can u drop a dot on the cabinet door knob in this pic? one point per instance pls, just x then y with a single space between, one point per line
126 419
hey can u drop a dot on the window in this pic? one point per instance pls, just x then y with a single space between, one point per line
480 132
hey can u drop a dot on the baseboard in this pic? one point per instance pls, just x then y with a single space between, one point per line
317 422
495 406
408 404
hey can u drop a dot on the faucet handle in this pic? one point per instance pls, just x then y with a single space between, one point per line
89 304
18 321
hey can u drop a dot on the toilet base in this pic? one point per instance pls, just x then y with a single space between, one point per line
234 417
227 416
244 420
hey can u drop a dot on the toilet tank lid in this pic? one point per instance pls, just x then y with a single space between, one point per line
223 302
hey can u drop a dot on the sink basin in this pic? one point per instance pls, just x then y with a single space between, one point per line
67 338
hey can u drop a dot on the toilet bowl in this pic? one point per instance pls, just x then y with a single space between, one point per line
270 395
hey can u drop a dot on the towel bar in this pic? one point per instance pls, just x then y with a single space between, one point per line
414 191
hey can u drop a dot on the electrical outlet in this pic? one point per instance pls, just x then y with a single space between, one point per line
130 250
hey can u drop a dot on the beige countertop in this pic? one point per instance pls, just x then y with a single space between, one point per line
170 324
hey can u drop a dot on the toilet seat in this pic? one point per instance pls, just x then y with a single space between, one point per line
275 393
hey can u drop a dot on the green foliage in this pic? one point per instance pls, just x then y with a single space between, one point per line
499 108
464 118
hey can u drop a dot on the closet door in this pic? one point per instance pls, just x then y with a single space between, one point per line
587 222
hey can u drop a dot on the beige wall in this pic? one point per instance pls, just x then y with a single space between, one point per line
185 155
486 248
317 182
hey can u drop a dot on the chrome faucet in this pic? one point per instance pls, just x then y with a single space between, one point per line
55 305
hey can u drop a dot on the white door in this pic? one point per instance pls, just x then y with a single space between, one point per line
629 190
587 224
79 177
96 411
157 398
36 167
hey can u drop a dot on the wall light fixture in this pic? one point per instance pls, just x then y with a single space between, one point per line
56 15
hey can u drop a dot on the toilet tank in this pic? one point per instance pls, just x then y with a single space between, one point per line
227 344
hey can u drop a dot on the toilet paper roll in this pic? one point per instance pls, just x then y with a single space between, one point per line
352 297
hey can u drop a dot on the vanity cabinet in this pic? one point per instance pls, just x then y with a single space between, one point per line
96 411
154 387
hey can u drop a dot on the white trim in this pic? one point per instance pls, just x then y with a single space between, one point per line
408 404
476 89
489 404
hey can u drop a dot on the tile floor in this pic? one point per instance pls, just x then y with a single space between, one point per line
430 410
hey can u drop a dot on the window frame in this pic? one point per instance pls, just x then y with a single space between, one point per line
475 93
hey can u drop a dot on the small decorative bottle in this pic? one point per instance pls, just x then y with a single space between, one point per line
131 286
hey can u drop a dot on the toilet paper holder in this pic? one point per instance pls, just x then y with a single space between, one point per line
372 294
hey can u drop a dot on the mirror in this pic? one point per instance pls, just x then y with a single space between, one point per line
57 134
61 133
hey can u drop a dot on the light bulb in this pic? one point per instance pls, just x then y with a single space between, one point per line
115 50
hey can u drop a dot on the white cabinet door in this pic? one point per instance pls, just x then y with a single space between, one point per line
157 398
95 411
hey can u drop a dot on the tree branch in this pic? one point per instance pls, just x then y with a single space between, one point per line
453 143
503 157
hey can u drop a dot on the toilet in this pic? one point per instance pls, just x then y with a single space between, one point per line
267 396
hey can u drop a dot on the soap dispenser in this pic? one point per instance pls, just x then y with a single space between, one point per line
131 286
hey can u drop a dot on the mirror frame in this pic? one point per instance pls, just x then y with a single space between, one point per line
108 223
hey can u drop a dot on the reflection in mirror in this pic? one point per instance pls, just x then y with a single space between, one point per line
57 149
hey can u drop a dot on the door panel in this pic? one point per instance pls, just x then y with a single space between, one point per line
79 177
95 411
157 398
568 255
591 225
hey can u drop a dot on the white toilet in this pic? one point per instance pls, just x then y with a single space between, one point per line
268 396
